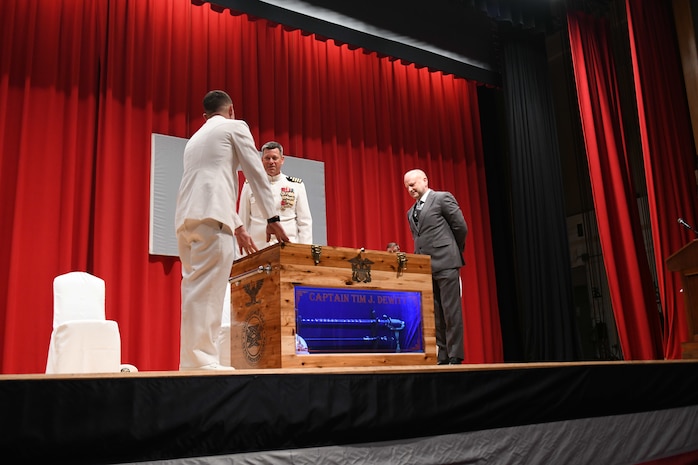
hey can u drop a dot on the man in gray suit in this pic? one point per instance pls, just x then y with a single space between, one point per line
439 230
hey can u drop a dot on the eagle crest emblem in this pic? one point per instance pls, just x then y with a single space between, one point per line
361 269
252 289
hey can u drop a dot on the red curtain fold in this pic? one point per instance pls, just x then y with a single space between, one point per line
627 267
668 150
49 80
83 85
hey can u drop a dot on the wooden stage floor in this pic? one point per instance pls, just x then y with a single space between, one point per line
409 369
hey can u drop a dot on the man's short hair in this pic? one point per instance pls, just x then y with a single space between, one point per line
273 145
215 101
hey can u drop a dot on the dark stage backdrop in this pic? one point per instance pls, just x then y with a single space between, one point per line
84 84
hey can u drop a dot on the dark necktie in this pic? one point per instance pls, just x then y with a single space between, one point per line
417 210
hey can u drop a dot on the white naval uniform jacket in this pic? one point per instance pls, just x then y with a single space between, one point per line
206 190
291 203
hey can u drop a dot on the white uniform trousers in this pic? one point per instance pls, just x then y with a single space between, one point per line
207 252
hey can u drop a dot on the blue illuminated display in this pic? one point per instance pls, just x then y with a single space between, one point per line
333 320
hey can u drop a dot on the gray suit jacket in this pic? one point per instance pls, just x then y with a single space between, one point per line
440 231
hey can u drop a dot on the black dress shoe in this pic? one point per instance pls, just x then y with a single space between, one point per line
455 361
443 362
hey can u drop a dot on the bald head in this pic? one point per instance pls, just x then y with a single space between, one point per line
416 183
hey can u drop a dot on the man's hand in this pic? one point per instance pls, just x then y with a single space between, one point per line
245 242
275 229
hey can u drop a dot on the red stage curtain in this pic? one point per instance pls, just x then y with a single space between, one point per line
49 80
668 150
627 267
83 85
686 458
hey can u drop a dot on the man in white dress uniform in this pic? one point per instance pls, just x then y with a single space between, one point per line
290 202
205 221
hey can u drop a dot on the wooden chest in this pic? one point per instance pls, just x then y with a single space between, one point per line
271 288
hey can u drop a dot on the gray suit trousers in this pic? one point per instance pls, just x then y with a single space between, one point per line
448 314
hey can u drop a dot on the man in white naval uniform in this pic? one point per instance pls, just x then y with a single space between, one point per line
205 222
290 201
